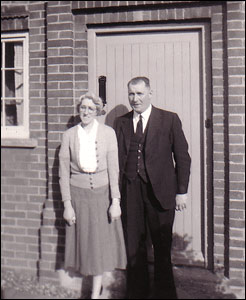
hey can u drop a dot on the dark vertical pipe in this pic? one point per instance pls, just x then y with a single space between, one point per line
226 145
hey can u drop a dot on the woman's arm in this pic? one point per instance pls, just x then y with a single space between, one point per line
64 179
113 164
113 172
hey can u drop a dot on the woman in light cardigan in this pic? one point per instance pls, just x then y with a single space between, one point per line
89 174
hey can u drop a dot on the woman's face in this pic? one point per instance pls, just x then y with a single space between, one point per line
87 111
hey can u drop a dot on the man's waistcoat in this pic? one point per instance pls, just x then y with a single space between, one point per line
135 160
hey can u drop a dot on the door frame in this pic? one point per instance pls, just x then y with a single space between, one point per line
205 110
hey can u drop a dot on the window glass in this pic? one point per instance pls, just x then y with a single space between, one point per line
12 85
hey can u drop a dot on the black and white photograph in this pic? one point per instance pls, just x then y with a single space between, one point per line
122 149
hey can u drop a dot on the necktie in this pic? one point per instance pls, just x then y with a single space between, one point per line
139 130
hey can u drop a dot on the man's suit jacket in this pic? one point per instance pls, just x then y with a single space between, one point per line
167 160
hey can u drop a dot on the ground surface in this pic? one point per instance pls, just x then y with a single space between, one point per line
191 283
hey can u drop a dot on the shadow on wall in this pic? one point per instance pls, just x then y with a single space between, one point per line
119 110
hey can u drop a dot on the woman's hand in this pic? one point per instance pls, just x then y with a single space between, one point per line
69 214
115 210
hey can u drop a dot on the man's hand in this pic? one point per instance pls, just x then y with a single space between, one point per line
181 200
115 210
69 214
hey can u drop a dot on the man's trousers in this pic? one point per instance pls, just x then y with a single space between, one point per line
142 215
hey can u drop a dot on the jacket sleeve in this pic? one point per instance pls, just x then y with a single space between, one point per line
64 168
113 164
181 156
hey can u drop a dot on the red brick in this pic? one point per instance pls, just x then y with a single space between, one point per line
235 43
234 6
14 230
27 239
36 23
235 16
236 34
237 204
235 25
235 99
235 81
60 60
27 255
17 262
237 223
219 249
237 167
218 229
66 69
237 149
237 264
60 27
14 214
16 246
236 253
236 233
66 85
237 195
236 129
237 71
237 243
29 223
6 238
236 52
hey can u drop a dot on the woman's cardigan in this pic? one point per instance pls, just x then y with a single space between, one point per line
107 172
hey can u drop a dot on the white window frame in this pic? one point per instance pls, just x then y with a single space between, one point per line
19 131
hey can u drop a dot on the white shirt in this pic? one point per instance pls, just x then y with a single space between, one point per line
145 117
87 149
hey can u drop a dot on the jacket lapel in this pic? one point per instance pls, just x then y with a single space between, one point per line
153 128
127 127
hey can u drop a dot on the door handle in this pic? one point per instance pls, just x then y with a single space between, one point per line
102 89
208 123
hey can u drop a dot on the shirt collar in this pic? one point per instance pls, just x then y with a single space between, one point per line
145 114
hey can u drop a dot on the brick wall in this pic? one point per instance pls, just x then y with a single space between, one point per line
23 171
55 89
236 131
60 106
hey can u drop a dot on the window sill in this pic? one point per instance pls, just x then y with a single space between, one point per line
19 143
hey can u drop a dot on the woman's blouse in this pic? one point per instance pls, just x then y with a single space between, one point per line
107 170
87 149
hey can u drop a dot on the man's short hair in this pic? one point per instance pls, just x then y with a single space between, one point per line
136 80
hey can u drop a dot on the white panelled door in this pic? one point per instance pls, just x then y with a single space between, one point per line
171 60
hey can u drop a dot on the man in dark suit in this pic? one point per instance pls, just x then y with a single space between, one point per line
154 175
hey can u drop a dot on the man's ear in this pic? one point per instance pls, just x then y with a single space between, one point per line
151 93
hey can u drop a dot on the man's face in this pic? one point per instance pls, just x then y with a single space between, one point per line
139 96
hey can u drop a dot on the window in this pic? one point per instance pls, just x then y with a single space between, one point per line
14 86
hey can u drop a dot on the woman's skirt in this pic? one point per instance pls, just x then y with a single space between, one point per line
94 244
